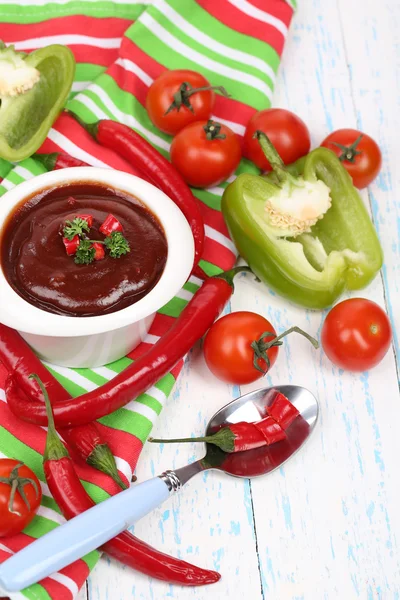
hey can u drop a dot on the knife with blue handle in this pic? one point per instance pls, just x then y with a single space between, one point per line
84 533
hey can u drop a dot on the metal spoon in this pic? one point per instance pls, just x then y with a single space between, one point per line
91 529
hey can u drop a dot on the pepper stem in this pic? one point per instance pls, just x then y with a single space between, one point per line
349 153
55 449
102 459
91 128
47 160
261 347
224 439
181 97
229 276
17 484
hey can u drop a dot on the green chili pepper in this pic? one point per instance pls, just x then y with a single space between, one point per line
303 229
33 90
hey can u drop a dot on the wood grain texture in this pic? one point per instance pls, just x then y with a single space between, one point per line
327 525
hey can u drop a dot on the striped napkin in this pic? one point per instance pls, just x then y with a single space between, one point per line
120 48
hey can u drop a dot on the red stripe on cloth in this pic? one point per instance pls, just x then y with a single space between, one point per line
56 589
161 324
132 52
233 110
177 369
122 444
214 219
277 8
111 27
233 17
129 82
69 128
218 254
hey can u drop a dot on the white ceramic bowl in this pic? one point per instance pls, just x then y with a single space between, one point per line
98 340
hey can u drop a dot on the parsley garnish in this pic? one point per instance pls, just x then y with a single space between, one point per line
85 253
117 244
75 227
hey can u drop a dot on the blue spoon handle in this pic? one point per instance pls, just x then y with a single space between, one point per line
81 535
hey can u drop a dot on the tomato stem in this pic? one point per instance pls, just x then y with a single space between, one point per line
212 130
349 153
181 97
17 484
261 347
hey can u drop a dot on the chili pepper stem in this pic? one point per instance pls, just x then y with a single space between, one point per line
224 439
91 128
55 449
102 459
229 276
47 160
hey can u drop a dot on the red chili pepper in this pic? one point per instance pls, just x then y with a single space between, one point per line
129 144
99 251
195 319
239 437
110 224
58 160
72 499
282 410
71 246
17 356
87 218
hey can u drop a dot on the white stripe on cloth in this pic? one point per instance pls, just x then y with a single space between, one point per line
260 15
151 339
184 294
22 172
196 280
70 148
236 127
202 38
157 394
132 67
141 409
70 39
124 467
126 118
78 86
73 376
175 44
51 515
220 238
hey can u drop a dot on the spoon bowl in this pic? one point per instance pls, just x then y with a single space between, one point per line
250 408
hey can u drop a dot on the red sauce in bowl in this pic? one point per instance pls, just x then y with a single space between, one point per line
36 265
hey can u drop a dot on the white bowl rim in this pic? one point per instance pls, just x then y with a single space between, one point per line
25 317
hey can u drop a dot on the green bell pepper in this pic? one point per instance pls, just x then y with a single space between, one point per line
303 229
33 90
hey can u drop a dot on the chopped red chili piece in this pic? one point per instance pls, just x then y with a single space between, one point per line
87 218
99 251
71 246
110 225
282 411
271 430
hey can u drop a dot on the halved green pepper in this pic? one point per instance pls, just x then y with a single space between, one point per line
33 90
303 229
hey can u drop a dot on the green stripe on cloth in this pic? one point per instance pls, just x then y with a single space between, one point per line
210 26
36 592
31 11
156 39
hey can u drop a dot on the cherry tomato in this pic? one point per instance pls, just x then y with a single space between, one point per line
359 153
205 153
287 132
227 347
16 514
356 334
169 100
